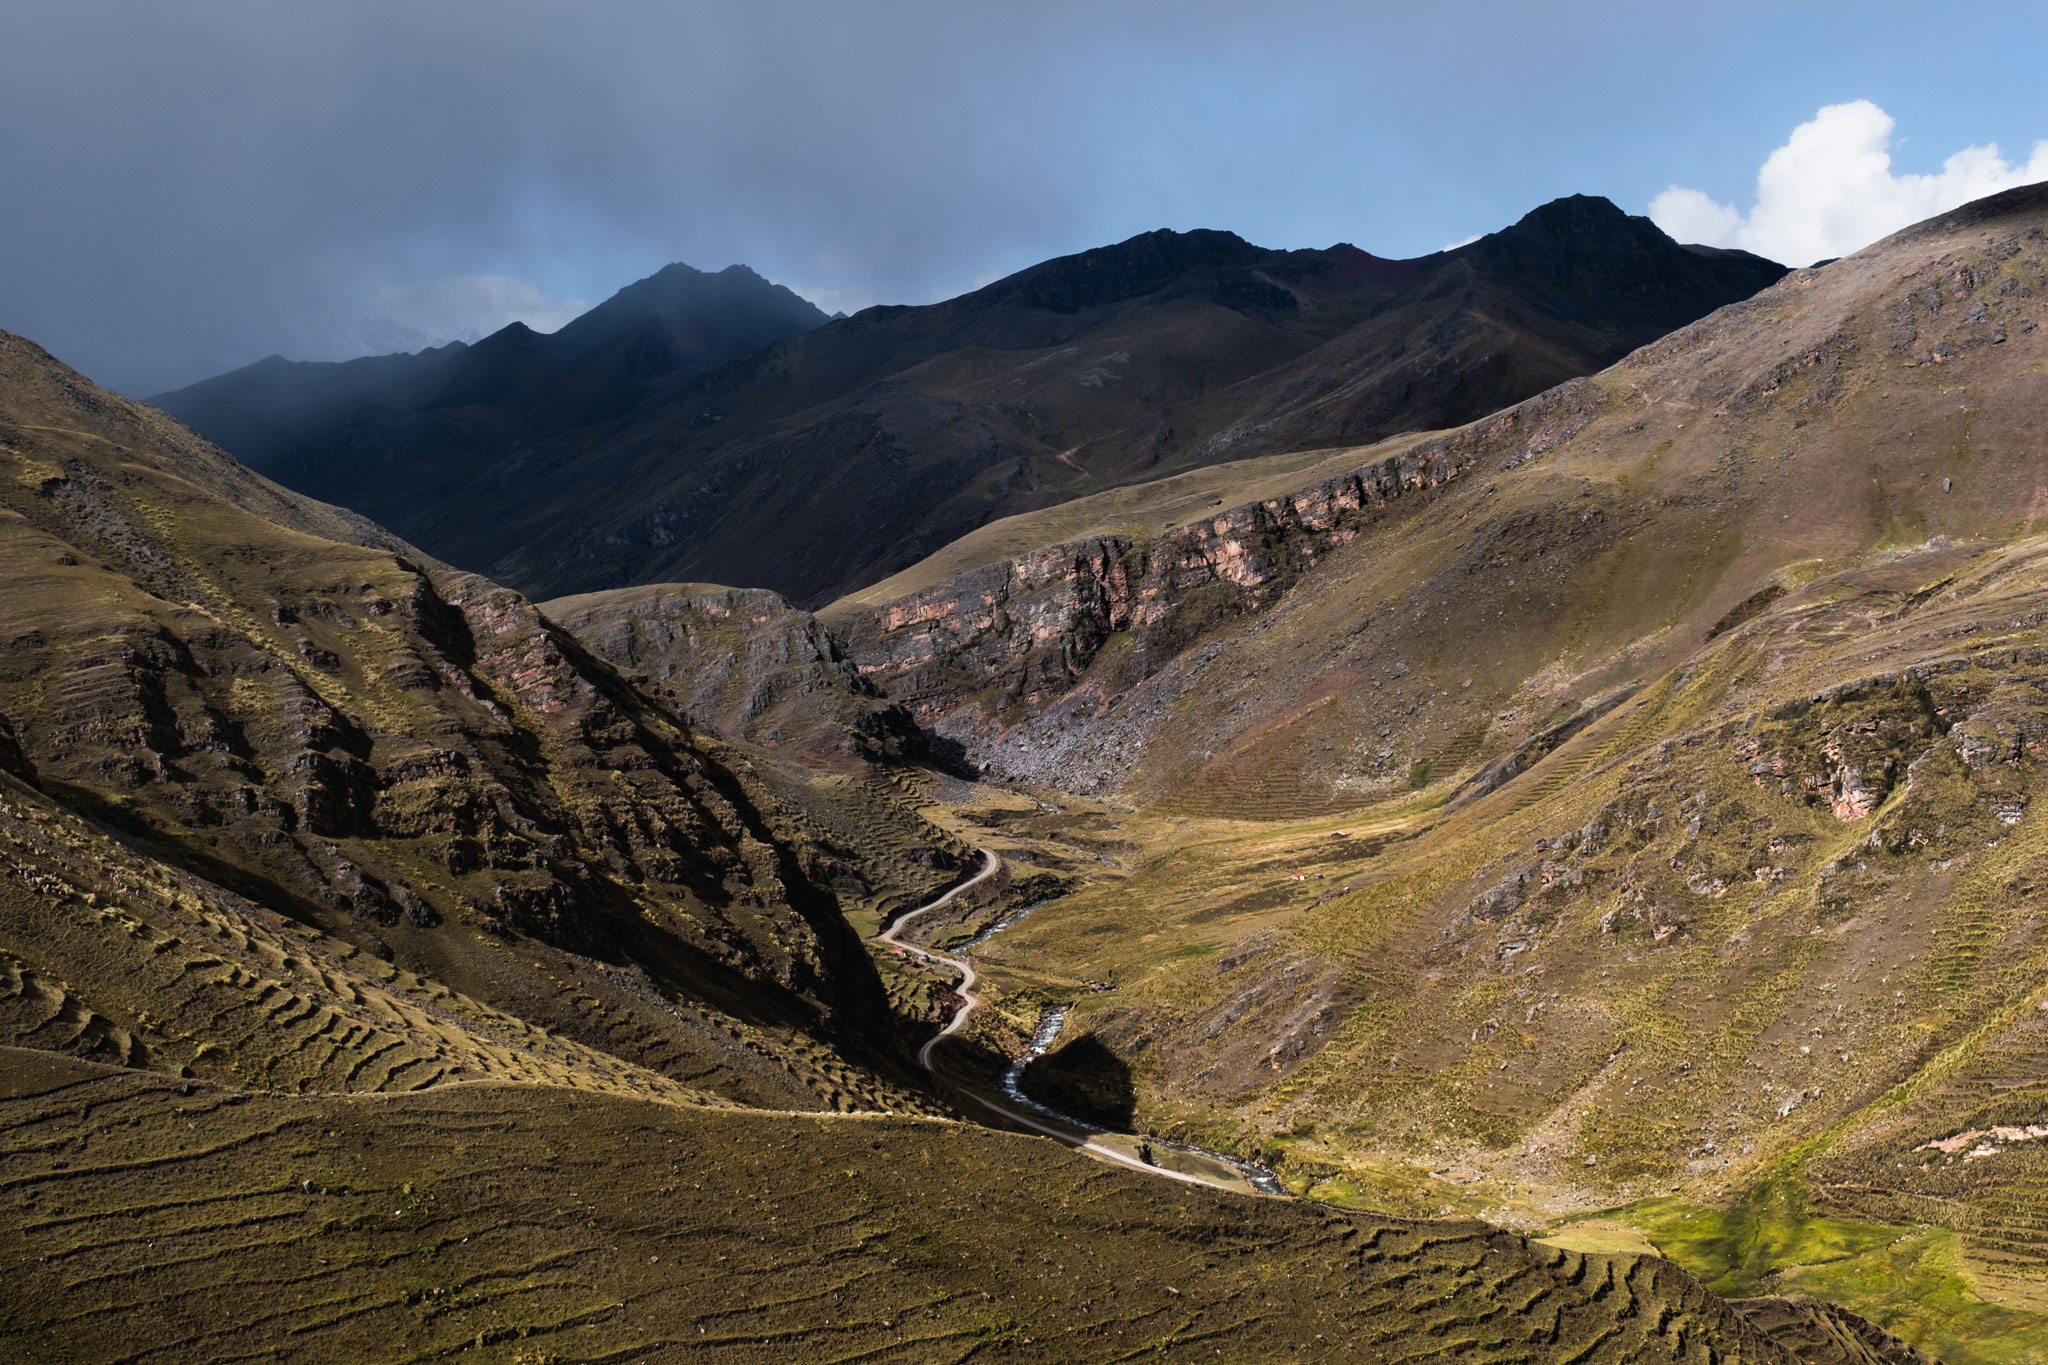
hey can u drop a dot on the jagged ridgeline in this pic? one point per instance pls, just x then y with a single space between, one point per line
1629 801
616 452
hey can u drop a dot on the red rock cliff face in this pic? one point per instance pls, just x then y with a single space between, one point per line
995 645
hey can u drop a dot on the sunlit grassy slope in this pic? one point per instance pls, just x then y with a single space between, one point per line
1671 959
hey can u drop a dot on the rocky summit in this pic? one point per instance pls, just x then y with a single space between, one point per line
1318 808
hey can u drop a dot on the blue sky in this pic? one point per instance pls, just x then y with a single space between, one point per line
193 186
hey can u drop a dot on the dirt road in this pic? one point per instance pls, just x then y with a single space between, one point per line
1105 1147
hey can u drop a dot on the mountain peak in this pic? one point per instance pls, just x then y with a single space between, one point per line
1583 252
680 296
1575 212
1138 265
1578 219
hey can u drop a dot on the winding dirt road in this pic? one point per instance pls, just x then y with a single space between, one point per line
969 1002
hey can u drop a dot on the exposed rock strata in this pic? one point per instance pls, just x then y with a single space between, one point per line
999 645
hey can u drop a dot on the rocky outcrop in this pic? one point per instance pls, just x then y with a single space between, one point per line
12 760
1000 643
745 665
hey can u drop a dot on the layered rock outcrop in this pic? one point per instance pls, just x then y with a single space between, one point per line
991 647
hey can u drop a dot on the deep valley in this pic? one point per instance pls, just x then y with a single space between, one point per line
1276 805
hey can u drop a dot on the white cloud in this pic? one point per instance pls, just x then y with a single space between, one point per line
1830 190
1462 241
454 308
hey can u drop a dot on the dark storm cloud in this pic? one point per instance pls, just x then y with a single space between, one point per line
203 182
185 187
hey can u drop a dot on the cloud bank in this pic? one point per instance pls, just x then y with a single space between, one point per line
1830 190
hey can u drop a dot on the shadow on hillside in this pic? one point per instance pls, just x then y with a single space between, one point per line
1086 1080
949 756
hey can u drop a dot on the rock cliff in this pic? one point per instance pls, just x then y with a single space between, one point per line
982 656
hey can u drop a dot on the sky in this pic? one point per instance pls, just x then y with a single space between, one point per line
186 188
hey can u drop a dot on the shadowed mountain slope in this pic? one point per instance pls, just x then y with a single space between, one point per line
675 320
842 453
296 709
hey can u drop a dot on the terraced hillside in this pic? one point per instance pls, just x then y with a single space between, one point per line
280 701
152 1220
110 955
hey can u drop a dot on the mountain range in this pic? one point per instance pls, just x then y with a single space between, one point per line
1561 885
620 451
381 973
1621 802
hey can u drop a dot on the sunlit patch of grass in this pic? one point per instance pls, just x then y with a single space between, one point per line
1918 1287
1737 1249
1605 1235
1913 1282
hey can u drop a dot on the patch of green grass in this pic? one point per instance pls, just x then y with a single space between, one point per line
1913 1282
1917 1287
1606 1236
1737 1250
